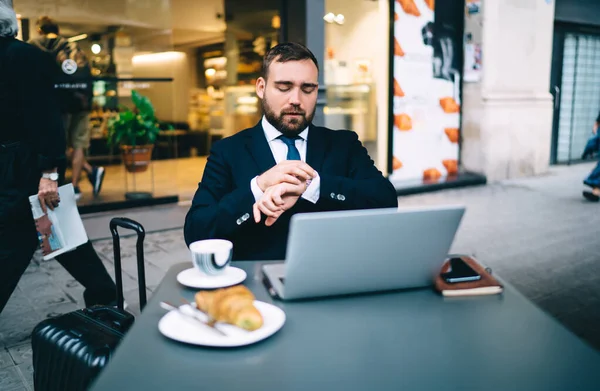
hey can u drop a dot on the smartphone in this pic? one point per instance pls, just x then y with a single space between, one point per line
460 271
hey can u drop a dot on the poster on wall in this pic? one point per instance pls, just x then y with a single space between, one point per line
472 71
473 7
426 90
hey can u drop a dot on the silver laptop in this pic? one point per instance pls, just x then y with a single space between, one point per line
339 253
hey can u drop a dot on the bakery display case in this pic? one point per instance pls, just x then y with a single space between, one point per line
242 109
352 107
206 109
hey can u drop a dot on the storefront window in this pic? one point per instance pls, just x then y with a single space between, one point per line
355 71
197 62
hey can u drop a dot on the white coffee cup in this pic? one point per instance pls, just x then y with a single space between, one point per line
211 256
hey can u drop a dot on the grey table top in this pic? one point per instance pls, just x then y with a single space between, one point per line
413 339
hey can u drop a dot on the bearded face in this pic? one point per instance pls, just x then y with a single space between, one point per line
289 95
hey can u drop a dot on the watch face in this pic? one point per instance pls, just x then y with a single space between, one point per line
53 176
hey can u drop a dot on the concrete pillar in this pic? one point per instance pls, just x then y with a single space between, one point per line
302 21
507 116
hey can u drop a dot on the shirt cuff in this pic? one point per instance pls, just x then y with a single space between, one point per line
313 190
256 191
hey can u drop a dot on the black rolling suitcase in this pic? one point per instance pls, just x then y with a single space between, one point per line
69 351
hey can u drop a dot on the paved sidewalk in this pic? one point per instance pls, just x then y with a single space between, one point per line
536 233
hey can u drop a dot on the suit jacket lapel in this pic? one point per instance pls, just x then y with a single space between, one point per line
259 149
316 147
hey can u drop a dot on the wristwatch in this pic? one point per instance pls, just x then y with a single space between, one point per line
53 176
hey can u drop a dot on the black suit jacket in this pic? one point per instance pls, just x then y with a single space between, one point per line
222 205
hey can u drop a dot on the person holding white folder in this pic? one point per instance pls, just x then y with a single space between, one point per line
32 147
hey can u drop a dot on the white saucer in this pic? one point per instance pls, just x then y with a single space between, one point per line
193 278
184 329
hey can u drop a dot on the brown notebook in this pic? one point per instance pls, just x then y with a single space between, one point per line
487 285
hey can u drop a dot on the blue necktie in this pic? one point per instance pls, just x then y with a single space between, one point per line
292 153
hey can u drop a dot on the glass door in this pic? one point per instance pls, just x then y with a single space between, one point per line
576 88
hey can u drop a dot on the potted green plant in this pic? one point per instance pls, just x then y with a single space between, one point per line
135 132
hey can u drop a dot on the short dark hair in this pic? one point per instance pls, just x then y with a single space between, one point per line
284 52
47 25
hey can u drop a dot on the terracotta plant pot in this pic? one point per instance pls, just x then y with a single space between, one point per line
136 158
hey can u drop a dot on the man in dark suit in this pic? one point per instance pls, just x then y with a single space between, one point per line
257 179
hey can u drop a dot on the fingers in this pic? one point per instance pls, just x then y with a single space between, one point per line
290 171
51 203
43 203
301 173
256 213
271 204
270 221
287 178
48 195
288 188
268 208
278 200
45 246
300 165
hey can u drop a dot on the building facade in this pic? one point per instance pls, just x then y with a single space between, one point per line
522 75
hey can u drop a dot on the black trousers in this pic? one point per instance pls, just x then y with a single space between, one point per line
18 238
18 242
17 245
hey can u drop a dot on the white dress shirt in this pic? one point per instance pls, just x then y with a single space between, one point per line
280 150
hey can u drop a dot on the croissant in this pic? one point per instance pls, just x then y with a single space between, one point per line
403 122
431 174
409 7
231 305
451 166
452 134
398 49
396 164
397 89
449 105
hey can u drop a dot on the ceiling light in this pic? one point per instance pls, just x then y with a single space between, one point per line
339 19
329 18
157 57
96 48
77 38
276 22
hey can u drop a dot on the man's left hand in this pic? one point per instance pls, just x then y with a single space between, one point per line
276 200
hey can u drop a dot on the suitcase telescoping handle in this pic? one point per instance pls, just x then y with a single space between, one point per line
137 227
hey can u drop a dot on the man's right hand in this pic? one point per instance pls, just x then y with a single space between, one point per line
48 194
293 172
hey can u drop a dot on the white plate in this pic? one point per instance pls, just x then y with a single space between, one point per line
194 278
184 329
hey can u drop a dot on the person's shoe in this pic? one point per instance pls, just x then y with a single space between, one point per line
77 193
96 178
590 196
